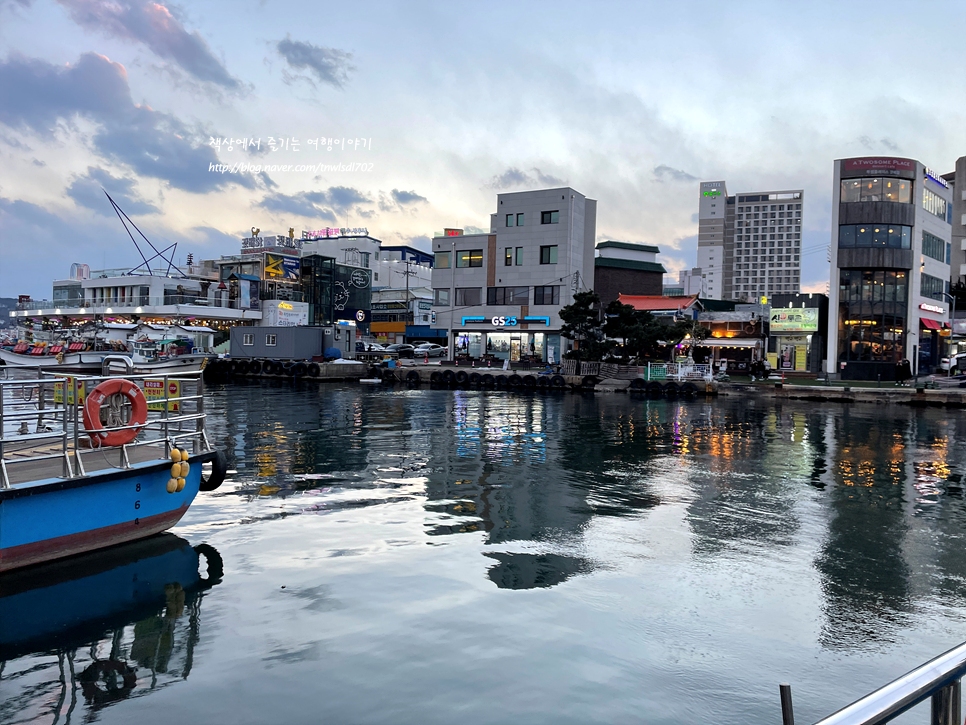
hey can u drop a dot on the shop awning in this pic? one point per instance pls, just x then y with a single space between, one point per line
930 324
729 342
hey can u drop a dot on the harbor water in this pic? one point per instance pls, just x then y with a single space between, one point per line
383 555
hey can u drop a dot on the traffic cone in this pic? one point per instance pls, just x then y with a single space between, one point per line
456 361
488 362
473 364
426 358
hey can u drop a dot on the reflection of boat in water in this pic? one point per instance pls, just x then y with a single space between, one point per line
123 621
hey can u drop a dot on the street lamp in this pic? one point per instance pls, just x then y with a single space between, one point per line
952 323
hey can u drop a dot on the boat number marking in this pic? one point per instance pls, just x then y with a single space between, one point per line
137 522
137 504
138 487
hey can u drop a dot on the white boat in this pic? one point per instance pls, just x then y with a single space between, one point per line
68 362
94 361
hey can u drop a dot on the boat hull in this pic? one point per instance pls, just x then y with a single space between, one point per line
57 518
75 362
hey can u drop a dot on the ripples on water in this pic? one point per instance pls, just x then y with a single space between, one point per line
435 556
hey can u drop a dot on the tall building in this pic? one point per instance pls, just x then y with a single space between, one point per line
958 261
500 294
749 244
890 269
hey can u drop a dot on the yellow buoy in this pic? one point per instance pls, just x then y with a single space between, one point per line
172 485
176 470
184 455
175 455
180 483
184 470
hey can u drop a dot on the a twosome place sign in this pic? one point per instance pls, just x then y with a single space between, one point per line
879 166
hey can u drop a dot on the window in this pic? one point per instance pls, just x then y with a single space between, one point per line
248 339
508 257
470 258
468 296
270 340
548 255
933 246
932 287
365 259
934 203
507 295
892 190
546 295
519 220
442 260
441 297
893 236
376 276
550 217
519 256
509 220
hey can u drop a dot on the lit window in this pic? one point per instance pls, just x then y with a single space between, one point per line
270 340
470 258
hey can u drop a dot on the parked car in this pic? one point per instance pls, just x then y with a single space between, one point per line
430 349
401 349
958 363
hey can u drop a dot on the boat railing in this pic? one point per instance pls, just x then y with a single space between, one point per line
938 679
175 419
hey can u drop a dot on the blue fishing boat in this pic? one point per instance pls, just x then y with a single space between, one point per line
91 462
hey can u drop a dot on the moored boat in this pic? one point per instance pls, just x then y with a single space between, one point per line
106 463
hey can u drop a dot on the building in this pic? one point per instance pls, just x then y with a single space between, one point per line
958 260
626 268
394 321
500 294
689 282
890 267
392 265
749 244
796 332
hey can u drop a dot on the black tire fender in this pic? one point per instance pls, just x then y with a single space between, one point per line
558 381
461 377
313 370
413 377
449 377
436 377
219 469
474 378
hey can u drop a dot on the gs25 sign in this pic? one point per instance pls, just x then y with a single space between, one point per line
504 321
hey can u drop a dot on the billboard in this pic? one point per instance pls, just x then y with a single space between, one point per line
279 267
877 166
794 319
280 313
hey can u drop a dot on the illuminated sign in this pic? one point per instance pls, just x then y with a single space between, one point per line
329 233
453 232
794 319
877 166
934 175
712 193
261 244
503 321
933 308
285 306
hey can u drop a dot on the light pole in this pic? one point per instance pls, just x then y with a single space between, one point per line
952 323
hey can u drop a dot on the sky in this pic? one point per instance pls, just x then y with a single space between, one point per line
441 106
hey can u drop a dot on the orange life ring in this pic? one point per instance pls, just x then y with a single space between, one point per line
92 412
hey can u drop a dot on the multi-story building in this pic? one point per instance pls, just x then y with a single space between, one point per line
628 268
689 282
500 294
749 244
394 266
890 267
958 179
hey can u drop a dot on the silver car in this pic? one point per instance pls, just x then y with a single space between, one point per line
430 349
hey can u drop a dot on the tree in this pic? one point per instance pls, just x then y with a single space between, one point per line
647 336
581 323
691 332
620 321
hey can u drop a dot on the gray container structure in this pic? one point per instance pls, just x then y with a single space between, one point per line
291 343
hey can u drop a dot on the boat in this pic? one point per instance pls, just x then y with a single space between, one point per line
55 359
109 460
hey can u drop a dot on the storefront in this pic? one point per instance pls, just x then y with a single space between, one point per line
509 338
794 330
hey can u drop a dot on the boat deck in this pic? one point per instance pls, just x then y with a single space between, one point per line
21 468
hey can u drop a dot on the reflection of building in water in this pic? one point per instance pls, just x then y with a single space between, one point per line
123 623
536 469
865 575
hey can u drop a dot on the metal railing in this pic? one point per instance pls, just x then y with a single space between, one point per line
939 679
677 371
55 401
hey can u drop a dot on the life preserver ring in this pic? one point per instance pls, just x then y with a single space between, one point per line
749 328
92 412
119 680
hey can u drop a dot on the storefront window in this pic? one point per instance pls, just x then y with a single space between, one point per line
872 314
470 343
892 190
893 236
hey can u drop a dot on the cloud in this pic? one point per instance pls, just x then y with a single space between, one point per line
216 237
514 177
88 191
889 144
406 197
39 95
327 65
330 205
153 24
666 173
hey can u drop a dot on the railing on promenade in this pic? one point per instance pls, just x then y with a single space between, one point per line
939 679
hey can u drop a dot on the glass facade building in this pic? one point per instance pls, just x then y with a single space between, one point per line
890 270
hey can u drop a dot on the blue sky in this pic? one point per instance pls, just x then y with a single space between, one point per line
631 104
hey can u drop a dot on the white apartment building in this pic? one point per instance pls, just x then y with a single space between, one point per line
750 244
392 265
499 294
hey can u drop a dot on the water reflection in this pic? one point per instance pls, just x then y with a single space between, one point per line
93 630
